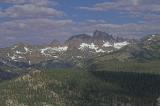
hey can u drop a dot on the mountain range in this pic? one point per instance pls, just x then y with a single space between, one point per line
85 70
79 49
79 46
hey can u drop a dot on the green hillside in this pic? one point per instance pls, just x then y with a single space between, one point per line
69 88
56 88
142 57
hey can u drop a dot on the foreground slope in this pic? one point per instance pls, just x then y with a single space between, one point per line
77 88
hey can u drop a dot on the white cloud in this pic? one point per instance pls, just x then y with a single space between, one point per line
44 30
30 10
144 9
34 30
132 30
41 25
126 5
36 2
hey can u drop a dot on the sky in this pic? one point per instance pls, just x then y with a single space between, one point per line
41 21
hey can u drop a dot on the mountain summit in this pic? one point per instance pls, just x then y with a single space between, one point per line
55 43
99 35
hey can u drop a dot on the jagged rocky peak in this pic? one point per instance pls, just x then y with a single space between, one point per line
100 35
97 36
120 39
75 41
80 36
55 43
21 46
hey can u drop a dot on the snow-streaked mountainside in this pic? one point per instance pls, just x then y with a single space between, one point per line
84 46
75 49
100 49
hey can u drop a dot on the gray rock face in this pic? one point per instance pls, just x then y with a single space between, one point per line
99 35
55 43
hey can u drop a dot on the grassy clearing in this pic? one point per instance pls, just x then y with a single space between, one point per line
152 67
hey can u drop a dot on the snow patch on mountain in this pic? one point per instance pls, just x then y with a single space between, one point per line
18 52
119 45
149 39
14 47
107 44
90 46
55 56
100 51
12 57
15 57
51 50
79 57
26 49
20 57
153 35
